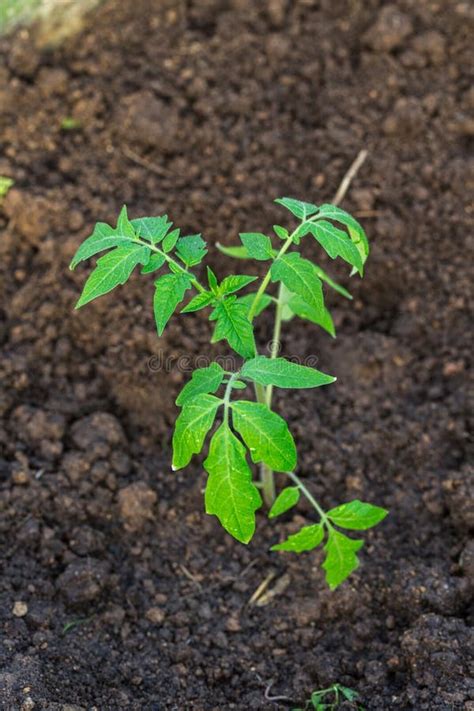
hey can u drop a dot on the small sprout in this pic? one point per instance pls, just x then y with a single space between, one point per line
330 699
70 124
213 404
78 622
5 185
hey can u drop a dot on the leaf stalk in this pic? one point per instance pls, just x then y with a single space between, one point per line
324 519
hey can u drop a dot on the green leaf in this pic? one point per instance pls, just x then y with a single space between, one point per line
348 694
170 240
283 373
236 252
317 701
230 492
300 209
152 229
306 539
333 284
5 185
103 237
155 262
341 559
193 424
212 280
200 301
336 243
234 282
112 269
324 319
258 245
281 232
264 301
299 276
266 434
233 326
239 385
124 226
356 231
286 499
191 249
357 515
203 380
169 292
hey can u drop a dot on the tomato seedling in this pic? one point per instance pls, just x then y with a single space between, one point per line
331 698
246 427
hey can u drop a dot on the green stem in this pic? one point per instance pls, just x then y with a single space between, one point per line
268 485
227 394
264 395
276 338
310 498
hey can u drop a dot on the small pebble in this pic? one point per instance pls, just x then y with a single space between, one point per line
155 615
20 608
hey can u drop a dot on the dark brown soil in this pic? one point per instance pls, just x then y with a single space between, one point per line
117 592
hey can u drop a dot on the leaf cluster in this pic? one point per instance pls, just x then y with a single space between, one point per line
248 429
242 432
340 550
329 699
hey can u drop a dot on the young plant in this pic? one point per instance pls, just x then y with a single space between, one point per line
246 427
329 699
5 185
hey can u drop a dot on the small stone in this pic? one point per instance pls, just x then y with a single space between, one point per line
20 476
28 214
86 109
75 466
114 615
144 119
85 540
276 11
36 424
76 220
406 119
24 59
462 124
136 503
155 615
101 427
459 491
432 45
233 624
20 608
52 81
390 29
83 580
453 368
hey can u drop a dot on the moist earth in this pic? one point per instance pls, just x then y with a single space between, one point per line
117 591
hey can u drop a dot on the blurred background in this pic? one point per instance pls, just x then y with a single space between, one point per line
117 592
